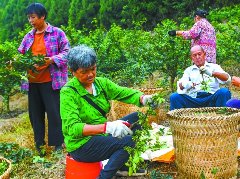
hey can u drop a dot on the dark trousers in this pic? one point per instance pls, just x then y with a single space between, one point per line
100 148
203 99
42 98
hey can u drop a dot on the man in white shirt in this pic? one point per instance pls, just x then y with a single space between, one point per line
199 85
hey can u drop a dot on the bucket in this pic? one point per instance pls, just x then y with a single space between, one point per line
81 170
205 141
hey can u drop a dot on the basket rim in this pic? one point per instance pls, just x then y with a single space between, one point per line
175 113
7 172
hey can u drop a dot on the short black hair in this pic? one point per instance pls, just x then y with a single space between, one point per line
37 8
201 13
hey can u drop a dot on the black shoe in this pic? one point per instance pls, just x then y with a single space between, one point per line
139 172
58 148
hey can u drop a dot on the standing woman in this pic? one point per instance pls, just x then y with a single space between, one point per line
44 86
202 33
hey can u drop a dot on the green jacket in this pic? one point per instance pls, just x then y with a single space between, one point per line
76 111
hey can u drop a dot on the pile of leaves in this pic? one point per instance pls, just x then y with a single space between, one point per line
14 152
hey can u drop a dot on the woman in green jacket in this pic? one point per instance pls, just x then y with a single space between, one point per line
84 103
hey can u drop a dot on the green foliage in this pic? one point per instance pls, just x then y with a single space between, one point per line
3 166
127 56
25 62
205 83
123 53
158 175
214 171
142 140
172 53
110 12
58 12
8 75
225 111
13 67
226 23
38 159
81 13
45 162
14 152
202 175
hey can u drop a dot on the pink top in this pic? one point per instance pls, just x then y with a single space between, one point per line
202 33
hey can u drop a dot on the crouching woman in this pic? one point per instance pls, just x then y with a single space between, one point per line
84 103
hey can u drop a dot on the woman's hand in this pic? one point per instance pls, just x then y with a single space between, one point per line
117 129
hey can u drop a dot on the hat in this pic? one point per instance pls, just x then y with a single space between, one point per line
201 13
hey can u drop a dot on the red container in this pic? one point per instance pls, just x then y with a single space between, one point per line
81 170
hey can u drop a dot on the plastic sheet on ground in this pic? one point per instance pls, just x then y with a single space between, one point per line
165 154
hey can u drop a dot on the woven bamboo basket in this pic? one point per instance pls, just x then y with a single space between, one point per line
205 141
120 109
6 174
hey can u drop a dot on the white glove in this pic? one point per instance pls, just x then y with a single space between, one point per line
146 99
205 70
117 129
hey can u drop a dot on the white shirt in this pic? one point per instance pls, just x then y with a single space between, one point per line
192 75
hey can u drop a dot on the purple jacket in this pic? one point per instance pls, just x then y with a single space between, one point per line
57 47
202 33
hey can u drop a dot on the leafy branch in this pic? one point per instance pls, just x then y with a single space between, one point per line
205 86
27 61
142 138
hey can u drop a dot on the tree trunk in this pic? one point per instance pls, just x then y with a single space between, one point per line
172 79
6 106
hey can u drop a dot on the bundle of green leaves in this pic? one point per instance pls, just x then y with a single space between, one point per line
28 61
205 86
142 137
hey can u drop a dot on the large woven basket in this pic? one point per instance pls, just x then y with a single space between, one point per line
120 109
6 174
205 141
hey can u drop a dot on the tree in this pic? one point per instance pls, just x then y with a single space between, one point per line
110 12
9 77
58 12
13 19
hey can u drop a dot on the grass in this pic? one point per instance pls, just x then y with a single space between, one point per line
19 131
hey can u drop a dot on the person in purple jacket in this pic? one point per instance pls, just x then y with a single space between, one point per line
44 86
202 33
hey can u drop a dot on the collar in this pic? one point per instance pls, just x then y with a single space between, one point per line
94 90
206 64
49 29
82 91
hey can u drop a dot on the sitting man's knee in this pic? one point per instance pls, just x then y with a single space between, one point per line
174 96
224 92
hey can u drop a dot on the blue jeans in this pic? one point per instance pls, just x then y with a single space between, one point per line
100 148
203 99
